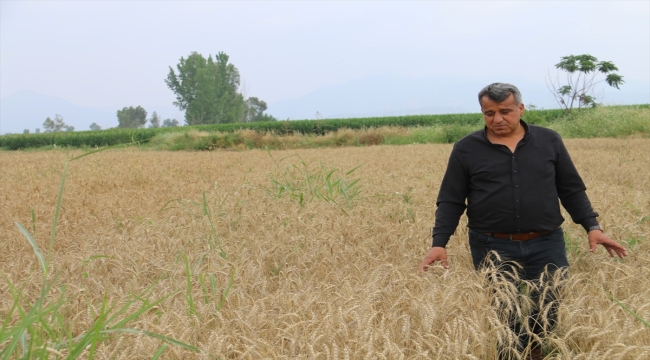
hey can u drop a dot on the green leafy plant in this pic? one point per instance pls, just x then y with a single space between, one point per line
581 72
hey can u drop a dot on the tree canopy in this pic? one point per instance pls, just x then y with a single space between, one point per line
581 72
170 123
56 125
131 117
206 89
154 122
255 111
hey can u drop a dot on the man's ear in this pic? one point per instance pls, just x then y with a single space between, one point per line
521 109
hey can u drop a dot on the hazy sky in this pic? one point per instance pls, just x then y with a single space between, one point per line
114 54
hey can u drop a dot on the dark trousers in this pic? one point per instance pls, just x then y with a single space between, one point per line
525 270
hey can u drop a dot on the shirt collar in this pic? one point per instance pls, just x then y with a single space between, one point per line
521 121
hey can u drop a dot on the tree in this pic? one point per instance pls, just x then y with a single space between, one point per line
95 127
154 122
131 117
254 111
206 89
56 125
26 131
581 72
170 123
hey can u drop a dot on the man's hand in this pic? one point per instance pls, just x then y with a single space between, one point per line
598 237
435 254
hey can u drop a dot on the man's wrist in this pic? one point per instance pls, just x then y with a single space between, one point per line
594 228
440 240
589 222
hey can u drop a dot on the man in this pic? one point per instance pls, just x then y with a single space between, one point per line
511 174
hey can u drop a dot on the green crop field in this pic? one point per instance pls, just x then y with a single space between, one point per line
614 121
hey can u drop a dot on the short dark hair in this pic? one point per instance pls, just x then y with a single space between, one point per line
499 92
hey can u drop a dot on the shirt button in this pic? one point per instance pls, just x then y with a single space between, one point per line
517 186
515 170
517 216
517 200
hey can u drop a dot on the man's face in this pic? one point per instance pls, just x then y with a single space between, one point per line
501 119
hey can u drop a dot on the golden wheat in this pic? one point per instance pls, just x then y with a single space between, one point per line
319 280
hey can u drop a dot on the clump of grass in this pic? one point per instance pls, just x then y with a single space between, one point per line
605 122
302 183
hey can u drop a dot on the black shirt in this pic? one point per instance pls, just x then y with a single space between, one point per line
510 192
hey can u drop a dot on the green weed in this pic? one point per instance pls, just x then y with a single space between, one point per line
301 182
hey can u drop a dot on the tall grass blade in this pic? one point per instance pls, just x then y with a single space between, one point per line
91 337
213 285
55 221
145 307
33 222
11 348
37 251
225 293
160 351
188 275
215 236
23 344
611 297
353 170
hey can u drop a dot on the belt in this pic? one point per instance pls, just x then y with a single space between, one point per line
520 236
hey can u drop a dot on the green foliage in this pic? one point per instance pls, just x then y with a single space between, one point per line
303 183
154 122
605 121
56 125
78 138
95 127
206 89
170 123
131 117
254 111
429 129
581 72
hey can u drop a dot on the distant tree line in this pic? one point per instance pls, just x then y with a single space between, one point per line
136 117
206 89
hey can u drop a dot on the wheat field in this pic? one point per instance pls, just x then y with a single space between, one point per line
258 255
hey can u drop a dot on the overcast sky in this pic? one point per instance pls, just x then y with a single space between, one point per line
114 54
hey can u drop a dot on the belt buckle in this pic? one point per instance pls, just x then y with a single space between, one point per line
510 236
